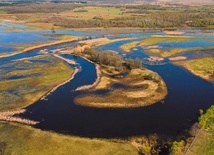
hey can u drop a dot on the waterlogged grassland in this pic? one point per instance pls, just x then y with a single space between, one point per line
29 80
141 87
175 51
36 45
26 140
151 45
203 67
204 142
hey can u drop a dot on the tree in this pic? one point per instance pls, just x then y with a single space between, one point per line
177 148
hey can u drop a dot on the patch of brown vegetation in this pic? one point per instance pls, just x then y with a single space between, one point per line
8 116
141 87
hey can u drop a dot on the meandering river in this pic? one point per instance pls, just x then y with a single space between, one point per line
171 117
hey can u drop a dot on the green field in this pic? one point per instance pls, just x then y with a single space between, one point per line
24 140
204 142
203 67
90 12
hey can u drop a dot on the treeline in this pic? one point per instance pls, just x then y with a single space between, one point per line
142 16
40 8
160 20
110 58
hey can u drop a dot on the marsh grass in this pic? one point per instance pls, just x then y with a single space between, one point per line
19 139
20 92
159 39
203 67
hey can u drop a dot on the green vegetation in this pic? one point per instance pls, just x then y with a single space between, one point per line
94 12
177 148
204 142
26 140
2 10
29 81
160 39
141 87
61 15
203 67
128 46
207 120
150 44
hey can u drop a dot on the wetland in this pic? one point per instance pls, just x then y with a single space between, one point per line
159 98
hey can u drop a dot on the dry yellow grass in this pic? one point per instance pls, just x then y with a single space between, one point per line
105 82
127 47
19 139
139 91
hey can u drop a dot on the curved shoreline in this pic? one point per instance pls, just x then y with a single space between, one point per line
4 55
76 70
49 44
117 98
64 59
8 116
99 74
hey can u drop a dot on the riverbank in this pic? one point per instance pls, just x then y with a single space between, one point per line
27 140
141 87
72 62
202 67
127 47
50 44
99 74
28 49
8 116
31 81
61 84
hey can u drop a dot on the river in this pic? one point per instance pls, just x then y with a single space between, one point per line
171 117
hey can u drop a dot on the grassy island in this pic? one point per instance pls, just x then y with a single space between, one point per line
141 87
128 46
29 82
151 45
202 67
126 82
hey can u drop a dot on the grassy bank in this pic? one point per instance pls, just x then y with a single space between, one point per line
127 47
204 142
203 67
150 44
28 81
141 87
26 140
61 39
160 39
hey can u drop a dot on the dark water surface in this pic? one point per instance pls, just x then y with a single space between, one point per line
186 95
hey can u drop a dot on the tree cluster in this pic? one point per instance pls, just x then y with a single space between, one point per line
110 58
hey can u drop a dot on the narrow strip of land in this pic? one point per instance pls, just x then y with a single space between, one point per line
8 116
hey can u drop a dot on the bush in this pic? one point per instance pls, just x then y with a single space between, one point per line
177 148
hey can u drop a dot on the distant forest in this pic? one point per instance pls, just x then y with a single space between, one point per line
140 16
